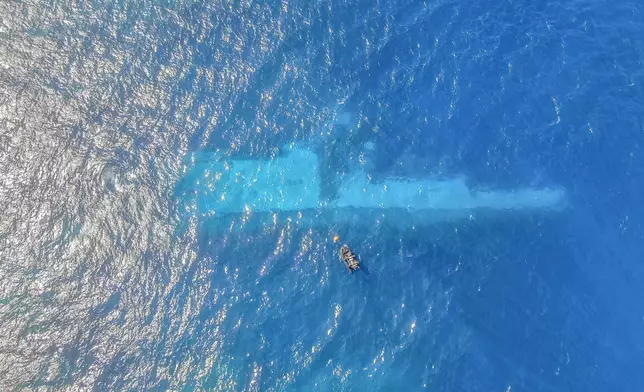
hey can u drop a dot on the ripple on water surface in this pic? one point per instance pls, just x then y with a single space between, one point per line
108 284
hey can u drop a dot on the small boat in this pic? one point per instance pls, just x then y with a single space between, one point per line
349 259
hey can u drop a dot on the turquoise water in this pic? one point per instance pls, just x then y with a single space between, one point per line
108 281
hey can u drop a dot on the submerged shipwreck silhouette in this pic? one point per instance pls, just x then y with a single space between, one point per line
215 186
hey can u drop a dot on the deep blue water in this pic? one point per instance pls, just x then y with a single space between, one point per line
106 285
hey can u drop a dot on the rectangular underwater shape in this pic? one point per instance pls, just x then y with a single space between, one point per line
215 186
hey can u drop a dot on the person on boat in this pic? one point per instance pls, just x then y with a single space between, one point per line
349 259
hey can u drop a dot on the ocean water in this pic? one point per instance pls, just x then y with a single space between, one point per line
108 284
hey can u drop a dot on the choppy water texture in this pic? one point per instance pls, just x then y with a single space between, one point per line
105 285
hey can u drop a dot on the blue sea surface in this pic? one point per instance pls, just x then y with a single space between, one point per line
107 283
